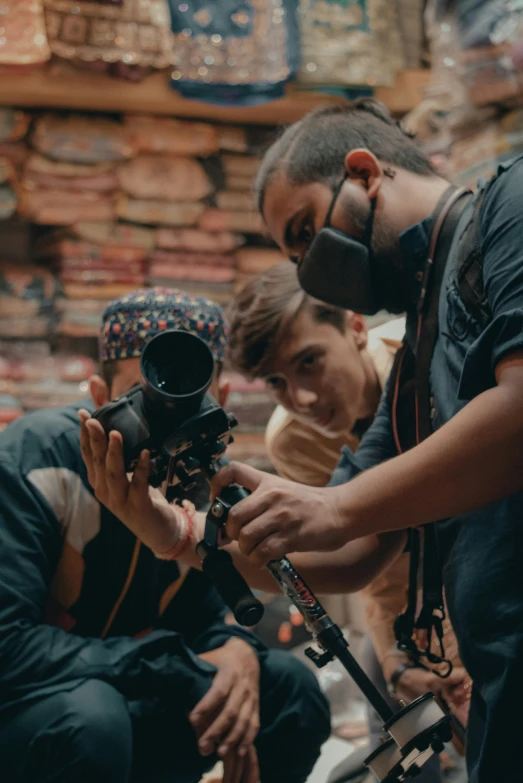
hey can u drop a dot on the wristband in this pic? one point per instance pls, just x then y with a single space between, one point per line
396 675
184 540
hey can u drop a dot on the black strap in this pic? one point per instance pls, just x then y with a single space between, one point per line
445 222
469 262
406 621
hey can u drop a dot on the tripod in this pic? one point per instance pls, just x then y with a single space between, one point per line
416 732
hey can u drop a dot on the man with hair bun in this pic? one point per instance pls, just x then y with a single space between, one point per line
356 205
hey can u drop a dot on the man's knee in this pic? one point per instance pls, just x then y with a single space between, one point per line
291 695
90 735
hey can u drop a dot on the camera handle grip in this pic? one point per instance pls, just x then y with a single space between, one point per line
217 564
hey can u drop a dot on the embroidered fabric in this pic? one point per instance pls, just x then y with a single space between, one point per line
129 33
23 40
245 50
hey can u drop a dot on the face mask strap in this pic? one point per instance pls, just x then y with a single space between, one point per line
367 236
335 195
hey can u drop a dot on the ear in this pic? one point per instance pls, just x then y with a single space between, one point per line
223 393
99 390
363 166
358 326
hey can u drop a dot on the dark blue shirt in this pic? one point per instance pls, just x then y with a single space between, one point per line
482 551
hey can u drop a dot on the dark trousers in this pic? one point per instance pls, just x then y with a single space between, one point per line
484 589
91 734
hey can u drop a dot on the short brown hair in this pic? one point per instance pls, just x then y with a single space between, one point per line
263 312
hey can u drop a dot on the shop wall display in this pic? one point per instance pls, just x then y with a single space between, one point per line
471 119
99 206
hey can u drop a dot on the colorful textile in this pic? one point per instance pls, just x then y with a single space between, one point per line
156 211
172 137
234 52
350 42
63 207
13 124
125 38
81 139
165 177
130 322
231 220
197 241
118 234
23 41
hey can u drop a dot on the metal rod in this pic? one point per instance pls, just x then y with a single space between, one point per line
371 693
315 616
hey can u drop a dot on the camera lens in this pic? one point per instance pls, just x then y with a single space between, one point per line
173 381
177 369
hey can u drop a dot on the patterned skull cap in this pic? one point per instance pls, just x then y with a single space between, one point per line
130 322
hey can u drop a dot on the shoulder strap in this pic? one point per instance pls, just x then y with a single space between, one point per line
442 237
411 384
408 387
469 266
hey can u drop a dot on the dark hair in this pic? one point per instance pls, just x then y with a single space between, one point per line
263 312
313 149
108 371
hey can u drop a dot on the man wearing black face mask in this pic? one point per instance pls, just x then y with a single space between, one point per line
398 236
358 207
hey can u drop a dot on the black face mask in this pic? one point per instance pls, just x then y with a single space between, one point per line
338 269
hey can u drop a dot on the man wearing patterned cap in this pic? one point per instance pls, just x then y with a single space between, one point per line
116 665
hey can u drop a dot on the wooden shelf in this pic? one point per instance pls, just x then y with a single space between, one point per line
58 89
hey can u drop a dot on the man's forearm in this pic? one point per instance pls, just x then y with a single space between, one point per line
473 460
347 570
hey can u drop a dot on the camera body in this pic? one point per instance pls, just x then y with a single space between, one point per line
171 413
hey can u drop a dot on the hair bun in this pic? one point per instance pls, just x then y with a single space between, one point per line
374 107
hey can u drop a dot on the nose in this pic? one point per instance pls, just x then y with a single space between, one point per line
301 399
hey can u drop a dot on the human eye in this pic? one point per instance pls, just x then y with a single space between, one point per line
312 361
275 383
305 235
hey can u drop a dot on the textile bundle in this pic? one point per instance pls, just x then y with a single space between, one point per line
94 208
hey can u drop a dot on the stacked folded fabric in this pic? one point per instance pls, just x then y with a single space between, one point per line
470 121
88 268
27 297
13 128
30 377
487 50
96 262
74 175
125 38
250 403
253 408
253 261
23 43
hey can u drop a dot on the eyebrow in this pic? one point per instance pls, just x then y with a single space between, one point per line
301 353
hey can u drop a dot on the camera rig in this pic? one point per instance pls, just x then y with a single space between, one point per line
187 432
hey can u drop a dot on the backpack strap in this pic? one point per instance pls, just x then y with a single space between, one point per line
469 266
469 262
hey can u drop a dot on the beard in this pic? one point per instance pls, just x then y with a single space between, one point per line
388 271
